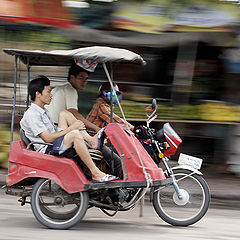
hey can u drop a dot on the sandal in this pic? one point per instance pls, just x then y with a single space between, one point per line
105 179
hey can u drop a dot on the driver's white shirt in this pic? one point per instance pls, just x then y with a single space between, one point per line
64 97
35 121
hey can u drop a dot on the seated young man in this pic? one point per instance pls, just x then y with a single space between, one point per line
112 163
38 127
100 115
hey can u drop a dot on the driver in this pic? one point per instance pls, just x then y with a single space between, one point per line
38 127
100 115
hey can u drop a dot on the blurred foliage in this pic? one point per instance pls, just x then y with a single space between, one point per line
219 112
41 39
205 112
5 135
138 97
174 4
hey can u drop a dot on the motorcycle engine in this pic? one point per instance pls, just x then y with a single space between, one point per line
120 195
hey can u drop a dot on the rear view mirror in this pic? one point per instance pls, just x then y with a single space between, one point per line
154 104
154 111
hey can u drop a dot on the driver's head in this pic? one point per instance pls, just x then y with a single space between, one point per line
78 77
105 92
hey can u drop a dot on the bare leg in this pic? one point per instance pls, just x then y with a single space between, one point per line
66 119
75 138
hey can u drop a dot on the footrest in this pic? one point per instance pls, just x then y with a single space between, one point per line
95 154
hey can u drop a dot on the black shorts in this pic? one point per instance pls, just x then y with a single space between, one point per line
56 149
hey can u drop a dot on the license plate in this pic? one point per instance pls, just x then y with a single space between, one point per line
191 161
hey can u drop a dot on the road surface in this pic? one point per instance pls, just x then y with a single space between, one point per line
18 223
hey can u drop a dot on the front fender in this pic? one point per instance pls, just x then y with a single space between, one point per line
187 168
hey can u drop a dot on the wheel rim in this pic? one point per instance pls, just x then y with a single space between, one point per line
189 206
56 206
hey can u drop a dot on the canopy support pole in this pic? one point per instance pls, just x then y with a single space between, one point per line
111 93
111 84
28 81
111 116
14 98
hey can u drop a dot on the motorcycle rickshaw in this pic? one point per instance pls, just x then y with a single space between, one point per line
60 193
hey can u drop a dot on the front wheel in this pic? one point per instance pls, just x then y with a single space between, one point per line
55 208
188 209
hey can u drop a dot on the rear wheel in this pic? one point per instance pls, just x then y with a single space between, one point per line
186 210
55 208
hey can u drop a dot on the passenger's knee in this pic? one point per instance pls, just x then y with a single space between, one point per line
73 136
76 134
63 114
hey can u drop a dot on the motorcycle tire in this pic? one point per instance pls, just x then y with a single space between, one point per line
55 215
191 207
52 210
49 212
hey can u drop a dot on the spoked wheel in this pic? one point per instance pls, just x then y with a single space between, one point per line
55 208
186 210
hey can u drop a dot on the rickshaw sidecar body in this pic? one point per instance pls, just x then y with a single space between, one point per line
26 164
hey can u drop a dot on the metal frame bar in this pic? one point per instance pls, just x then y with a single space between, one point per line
14 98
111 84
111 68
139 184
28 81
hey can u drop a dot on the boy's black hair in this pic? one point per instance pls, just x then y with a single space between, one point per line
37 85
75 70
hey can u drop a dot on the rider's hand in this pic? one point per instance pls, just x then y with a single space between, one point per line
148 108
78 125
140 132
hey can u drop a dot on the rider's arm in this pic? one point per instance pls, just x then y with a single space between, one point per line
79 116
71 101
105 114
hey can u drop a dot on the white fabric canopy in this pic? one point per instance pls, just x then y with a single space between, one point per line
66 57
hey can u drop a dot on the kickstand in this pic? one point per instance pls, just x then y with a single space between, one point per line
141 207
23 201
109 214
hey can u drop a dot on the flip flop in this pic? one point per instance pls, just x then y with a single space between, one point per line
105 179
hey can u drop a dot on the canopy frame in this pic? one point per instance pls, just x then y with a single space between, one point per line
100 54
66 57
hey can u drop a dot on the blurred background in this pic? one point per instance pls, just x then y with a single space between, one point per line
192 49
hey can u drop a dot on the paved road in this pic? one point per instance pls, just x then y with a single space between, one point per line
18 223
